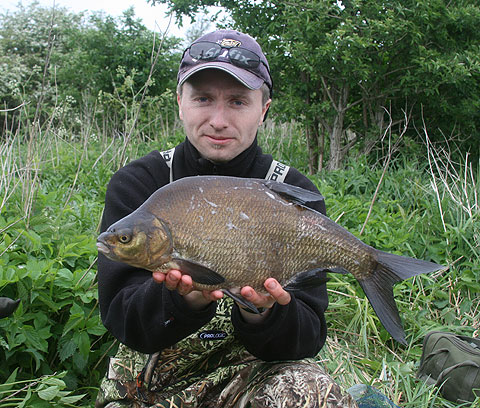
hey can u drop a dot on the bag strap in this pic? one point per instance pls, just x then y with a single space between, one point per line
440 362
468 380
168 157
472 342
277 171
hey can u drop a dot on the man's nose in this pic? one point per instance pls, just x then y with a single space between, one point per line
218 117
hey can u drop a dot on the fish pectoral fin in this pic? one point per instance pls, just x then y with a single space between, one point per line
306 280
241 300
294 194
199 273
337 270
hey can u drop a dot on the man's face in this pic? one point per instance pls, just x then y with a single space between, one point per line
219 114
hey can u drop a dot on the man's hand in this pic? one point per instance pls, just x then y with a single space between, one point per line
276 294
183 284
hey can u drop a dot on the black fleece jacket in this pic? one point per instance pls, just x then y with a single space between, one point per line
148 317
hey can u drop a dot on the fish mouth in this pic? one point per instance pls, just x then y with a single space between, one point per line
103 248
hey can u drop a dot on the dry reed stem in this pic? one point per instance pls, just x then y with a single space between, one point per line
154 59
388 158
458 184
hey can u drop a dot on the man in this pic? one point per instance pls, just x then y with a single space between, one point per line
181 347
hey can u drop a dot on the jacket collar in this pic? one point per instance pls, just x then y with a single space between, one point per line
239 166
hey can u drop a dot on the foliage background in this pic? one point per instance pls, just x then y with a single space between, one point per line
81 97
340 66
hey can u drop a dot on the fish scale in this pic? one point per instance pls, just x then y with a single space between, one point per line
229 232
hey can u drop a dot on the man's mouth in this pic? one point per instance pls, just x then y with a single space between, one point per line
218 140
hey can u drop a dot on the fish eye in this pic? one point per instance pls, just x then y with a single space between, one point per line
124 237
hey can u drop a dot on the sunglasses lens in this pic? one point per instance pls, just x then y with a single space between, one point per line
204 51
244 58
241 57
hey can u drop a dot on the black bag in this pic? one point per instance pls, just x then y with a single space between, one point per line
451 362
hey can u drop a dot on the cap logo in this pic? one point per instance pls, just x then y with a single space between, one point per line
229 43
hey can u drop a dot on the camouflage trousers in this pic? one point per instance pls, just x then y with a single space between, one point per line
210 368
291 384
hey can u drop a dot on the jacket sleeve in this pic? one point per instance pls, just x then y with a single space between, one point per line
296 330
140 313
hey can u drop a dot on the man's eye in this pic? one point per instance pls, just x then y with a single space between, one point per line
202 99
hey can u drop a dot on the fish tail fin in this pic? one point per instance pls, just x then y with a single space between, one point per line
379 287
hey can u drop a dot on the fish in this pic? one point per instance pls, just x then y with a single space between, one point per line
230 232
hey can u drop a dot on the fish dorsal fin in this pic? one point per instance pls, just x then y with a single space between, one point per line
294 194
199 273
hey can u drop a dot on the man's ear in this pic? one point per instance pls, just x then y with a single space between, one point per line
265 109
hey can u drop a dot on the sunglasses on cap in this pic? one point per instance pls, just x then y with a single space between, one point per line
241 57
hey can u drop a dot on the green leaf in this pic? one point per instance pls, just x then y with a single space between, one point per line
35 268
71 399
95 326
37 356
67 349
9 383
83 341
441 303
64 278
49 393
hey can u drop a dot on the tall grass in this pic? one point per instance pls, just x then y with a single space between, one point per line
422 208
419 212
53 350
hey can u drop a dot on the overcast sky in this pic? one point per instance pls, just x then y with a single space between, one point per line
153 17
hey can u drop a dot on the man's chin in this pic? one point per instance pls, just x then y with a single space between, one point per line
219 154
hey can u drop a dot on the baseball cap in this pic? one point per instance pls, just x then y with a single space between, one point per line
231 51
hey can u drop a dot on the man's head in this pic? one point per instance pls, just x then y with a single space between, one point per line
224 89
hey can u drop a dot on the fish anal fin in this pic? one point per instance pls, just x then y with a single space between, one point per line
294 194
241 300
199 273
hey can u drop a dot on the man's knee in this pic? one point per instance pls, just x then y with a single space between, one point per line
291 384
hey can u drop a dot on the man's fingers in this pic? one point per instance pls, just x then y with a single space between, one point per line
277 292
159 277
258 299
173 278
248 293
185 285
213 295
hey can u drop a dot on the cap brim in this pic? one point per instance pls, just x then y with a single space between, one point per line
248 79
